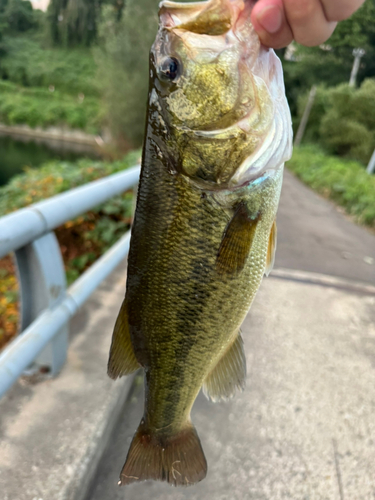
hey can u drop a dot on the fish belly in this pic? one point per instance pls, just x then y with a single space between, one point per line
183 314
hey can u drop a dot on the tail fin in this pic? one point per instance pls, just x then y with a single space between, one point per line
178 458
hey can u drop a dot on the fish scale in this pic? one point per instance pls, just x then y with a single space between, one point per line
204 229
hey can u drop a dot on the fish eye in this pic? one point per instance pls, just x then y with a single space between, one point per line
169 69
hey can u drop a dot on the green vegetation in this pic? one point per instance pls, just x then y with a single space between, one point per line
343 181
83 240
73 23
41 107
342 120
17 16
41 85
48 86
123 67
28 62
331 63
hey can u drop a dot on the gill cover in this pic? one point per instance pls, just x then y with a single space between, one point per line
221 103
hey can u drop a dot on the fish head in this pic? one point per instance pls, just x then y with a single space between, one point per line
217 99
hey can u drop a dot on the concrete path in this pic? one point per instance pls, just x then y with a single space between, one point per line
314 235
53 432
304 428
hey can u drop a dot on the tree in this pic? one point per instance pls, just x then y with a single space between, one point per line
123 60
331 63
73 22
16 16
123 67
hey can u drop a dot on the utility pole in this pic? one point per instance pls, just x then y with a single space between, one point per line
305 116
358 54
371 165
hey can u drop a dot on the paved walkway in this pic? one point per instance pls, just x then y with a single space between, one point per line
304 428
315 236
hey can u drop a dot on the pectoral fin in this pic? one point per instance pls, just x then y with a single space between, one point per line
237 241
122 360
271 249
229 375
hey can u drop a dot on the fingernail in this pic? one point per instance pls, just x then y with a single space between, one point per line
270 18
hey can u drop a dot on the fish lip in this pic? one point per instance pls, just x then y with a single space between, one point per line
169 20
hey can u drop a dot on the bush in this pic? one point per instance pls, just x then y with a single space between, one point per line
123 67
346 137
55 177
40 107
342 120
345 182
82 240
28 63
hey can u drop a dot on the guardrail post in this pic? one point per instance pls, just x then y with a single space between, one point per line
42 281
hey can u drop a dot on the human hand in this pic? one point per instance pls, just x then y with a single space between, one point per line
308 22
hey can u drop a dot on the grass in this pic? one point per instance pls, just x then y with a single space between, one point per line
44 86
28 62
38 107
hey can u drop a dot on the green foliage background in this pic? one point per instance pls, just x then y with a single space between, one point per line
31 63
38 107
123 67
94 232
73 22
331 63
342 120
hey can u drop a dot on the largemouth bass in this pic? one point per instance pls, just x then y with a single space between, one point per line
204 234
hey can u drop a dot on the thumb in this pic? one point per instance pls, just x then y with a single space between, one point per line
270 22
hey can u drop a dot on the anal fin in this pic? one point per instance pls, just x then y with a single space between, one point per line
229 375
122 360
271 252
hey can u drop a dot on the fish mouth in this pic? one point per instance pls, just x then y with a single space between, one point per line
267 122
213 17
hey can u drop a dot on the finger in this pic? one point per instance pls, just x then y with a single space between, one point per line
269 21
308 21
340 9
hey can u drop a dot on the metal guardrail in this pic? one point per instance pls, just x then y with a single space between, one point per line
46 304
